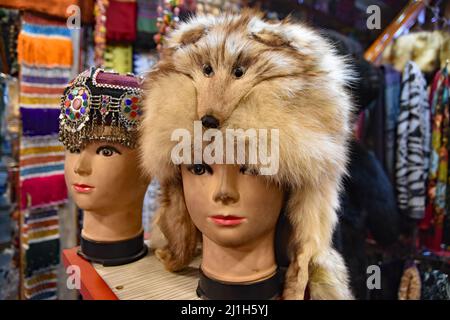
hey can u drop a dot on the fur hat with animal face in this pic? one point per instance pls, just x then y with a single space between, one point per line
248 73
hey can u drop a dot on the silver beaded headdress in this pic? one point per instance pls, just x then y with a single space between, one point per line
97 99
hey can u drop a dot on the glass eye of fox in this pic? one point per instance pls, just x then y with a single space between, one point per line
238 72
208 70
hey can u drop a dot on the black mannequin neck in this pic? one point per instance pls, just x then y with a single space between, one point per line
113 253
267 289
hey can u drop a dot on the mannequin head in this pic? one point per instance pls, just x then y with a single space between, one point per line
101 168
237 212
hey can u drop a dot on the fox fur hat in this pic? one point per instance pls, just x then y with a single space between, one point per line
291 79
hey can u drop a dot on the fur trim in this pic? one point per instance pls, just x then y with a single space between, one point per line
293 82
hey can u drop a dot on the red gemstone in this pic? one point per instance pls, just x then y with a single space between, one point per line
77 115
76 103
134 99
134 107
67 103
133 114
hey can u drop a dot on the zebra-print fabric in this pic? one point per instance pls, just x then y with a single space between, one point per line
413 143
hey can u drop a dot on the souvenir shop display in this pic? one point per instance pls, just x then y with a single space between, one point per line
224 150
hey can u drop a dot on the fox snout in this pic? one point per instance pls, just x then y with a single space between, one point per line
209 121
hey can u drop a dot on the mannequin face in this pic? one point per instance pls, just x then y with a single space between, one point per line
229 205
104 176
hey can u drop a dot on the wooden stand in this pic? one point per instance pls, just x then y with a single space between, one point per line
93 287
145 279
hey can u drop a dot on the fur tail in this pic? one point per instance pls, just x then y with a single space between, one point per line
328 279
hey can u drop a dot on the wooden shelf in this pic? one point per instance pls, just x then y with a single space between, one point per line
93 287
145 279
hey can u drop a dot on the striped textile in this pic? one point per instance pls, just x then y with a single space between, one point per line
45 55
45 45
41 249
42 285
413 143
46 58
42 172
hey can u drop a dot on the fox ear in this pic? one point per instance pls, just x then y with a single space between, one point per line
271 38
191 36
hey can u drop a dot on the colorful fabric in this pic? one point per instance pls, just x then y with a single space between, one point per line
41 251
119 58
56 8
46 57
42 285
147 16
39 50
42 172
438 174
121 18
413 143
40 95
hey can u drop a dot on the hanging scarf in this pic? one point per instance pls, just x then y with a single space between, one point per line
413 143
438 174
121 21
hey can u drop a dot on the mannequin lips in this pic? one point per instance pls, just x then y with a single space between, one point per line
227 220
82 188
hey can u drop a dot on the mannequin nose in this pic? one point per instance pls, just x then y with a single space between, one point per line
226 190
82 165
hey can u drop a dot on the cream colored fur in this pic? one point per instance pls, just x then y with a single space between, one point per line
293 82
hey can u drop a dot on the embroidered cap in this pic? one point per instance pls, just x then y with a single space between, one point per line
95 100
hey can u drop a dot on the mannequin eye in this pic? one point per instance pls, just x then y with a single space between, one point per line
107 151
208 70
199 169
248 171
